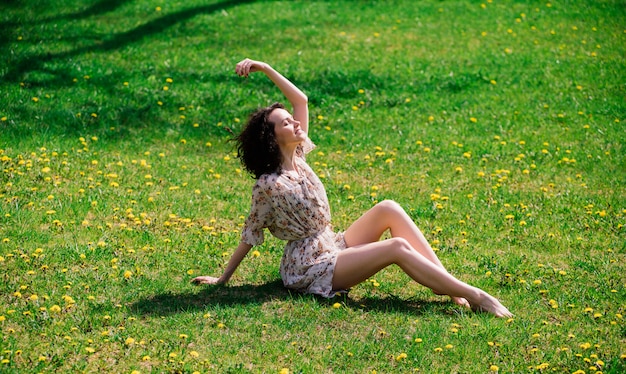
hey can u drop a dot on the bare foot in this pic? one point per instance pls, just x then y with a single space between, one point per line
489 304
460 301
205 279
455 299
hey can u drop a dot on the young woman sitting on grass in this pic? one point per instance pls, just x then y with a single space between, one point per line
289 199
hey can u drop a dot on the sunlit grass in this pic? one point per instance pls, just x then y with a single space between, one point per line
498 126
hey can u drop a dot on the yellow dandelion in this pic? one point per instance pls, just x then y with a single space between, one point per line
336 305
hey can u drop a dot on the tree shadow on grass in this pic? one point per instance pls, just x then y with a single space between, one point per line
169 303
36 62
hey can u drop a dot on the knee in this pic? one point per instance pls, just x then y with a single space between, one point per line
389 207
400 246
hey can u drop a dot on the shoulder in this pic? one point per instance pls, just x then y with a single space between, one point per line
265 182
305 147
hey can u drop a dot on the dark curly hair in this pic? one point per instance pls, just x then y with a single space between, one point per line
257 148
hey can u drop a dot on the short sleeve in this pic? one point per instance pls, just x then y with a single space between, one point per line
259 218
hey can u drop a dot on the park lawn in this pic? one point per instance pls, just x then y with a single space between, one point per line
498 126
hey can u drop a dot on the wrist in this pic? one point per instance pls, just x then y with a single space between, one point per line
223 279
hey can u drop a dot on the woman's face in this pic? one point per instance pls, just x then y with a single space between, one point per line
286 129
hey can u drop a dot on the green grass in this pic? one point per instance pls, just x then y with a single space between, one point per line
498 126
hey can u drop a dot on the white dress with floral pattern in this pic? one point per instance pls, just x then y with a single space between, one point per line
294 207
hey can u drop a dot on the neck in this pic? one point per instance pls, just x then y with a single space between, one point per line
288 156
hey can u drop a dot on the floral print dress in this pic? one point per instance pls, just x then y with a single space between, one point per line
294 207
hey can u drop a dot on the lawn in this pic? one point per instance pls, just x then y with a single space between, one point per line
499 126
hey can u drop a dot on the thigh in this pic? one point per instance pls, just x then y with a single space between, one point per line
367 229
356 264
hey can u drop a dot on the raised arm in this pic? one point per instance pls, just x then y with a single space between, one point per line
294 95
241 252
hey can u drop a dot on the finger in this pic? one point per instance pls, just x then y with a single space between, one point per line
240 68
243 70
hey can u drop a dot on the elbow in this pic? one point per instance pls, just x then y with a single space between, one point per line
299 102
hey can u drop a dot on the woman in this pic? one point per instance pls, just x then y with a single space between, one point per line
291 202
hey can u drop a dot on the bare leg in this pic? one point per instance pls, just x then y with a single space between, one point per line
389 215
356 264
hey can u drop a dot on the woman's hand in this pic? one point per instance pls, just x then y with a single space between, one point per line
205 279
247 66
